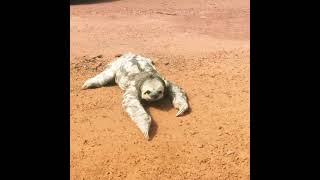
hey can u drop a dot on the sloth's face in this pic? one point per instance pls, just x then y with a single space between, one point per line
152 89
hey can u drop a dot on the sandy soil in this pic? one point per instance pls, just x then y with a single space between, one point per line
202 45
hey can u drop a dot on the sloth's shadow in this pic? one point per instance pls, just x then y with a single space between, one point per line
164 104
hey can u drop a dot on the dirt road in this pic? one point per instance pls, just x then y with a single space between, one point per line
202 45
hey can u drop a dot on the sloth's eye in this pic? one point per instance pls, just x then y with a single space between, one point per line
159 92
147 92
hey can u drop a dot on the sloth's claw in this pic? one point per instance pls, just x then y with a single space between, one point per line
146 135
182 110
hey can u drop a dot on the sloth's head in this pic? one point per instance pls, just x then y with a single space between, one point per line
152 89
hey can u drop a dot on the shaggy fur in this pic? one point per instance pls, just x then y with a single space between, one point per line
138 77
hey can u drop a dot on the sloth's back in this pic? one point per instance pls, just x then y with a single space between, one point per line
129 66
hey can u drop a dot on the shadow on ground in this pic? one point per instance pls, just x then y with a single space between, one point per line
163 105
78 2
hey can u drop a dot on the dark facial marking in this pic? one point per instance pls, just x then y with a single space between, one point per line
147 92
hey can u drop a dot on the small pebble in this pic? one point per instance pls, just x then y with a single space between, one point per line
204 160
229 152
193 133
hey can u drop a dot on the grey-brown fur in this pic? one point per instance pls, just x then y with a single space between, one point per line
136 75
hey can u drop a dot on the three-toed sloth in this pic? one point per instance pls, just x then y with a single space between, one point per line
138 77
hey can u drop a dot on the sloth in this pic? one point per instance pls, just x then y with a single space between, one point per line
140 80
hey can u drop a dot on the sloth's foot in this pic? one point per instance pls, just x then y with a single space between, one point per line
182 109
146 135
91 83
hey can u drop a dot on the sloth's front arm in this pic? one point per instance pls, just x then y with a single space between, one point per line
136 111
179 98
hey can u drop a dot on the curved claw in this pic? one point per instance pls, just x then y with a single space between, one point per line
85 86
182 109
146 135
90 84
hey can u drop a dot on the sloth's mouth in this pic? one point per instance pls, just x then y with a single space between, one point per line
153 99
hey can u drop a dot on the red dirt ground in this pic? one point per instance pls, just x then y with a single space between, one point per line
201 45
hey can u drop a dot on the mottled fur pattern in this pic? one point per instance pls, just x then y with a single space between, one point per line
138 77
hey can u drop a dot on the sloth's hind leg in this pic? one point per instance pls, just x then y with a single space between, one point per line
100 80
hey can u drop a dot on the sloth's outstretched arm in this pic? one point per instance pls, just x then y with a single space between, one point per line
100 80
179 98
136 111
